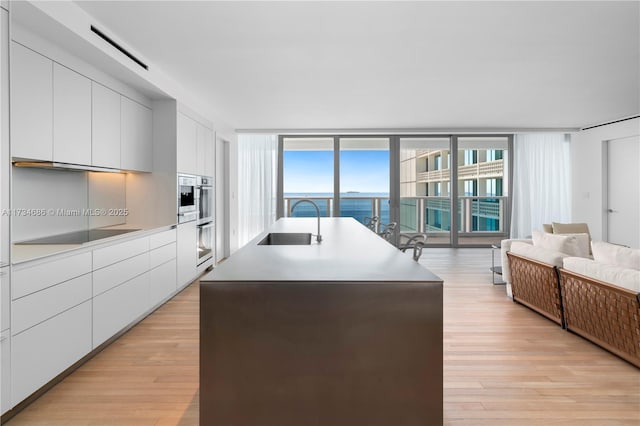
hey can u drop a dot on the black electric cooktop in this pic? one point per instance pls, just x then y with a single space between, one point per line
79 237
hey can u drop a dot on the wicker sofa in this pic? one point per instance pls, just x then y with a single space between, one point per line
598 301
601 303
533 275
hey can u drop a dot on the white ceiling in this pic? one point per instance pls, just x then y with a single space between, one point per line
346 65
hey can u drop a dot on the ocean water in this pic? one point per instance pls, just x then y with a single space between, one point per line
358 205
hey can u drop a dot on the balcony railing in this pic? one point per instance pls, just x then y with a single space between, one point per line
489 169
417 214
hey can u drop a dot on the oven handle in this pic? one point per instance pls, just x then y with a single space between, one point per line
206 225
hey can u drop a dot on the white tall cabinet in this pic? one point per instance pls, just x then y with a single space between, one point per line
195 147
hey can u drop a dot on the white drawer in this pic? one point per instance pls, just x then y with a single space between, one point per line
116 274
161 255
162 282
5 299
31 279
46 350
162 238
37 307
118 307
115 253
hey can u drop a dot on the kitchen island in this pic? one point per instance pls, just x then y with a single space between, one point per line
343 332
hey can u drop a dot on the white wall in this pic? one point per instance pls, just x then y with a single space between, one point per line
589 172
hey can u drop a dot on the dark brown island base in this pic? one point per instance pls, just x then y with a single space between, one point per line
346 332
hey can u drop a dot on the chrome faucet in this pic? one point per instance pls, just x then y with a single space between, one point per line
318 236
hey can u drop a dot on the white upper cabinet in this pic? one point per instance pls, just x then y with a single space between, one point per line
136 136
187 149
205 151
201 149
31 104
105 131
71 116
209 154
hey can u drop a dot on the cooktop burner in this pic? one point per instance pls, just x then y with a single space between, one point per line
79 237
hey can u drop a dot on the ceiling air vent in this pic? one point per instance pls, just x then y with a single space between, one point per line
117 46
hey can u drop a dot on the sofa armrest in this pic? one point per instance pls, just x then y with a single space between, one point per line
505 246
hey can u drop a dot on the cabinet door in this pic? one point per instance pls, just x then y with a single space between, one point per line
42 352
5 372
201 149
105 127
31 104
187 252
71 116
162 282
119 307
187 145
136 139
5 299
210 154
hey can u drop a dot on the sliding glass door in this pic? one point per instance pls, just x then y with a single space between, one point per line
307 172
364 178
483 189
425 200
453 188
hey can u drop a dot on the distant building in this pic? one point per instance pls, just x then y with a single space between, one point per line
425 188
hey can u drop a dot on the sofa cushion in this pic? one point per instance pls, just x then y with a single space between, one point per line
548 228
572 245
616 255
622 277
540 254
571 228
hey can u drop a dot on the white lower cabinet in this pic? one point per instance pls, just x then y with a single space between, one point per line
40 353
187 240
113 275
63 308
42 305
5 371
118 307
162 282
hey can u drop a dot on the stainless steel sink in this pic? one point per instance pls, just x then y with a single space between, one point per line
286 239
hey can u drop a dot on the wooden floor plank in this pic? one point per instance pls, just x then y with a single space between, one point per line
504 365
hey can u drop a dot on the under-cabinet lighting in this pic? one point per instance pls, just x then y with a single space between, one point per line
65 166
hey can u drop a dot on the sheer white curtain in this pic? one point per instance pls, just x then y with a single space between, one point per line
541 181
257 178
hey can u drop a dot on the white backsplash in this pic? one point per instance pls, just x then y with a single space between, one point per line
51 202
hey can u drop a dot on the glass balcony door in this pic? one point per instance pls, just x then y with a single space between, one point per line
307 172
364 178
483 189
425 189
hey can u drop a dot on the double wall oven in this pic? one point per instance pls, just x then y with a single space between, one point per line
196 203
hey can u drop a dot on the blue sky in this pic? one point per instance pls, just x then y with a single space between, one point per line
312 171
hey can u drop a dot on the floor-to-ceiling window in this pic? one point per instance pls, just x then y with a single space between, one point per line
425 201
308 172
483 182
454 188
364 178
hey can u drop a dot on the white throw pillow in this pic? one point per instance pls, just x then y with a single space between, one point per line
613 254
544 255
567 244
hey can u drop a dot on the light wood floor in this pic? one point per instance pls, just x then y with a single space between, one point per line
503 365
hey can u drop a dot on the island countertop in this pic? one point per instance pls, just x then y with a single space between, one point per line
348 252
